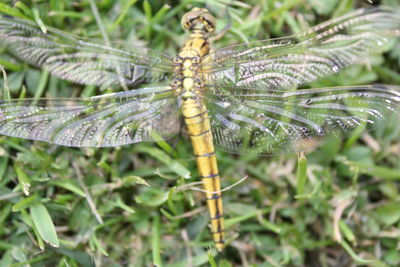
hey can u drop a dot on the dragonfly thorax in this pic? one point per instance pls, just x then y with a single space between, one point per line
188 78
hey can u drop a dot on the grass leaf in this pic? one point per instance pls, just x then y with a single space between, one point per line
160 155
43 223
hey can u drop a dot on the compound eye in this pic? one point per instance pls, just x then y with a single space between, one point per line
210 21
188 19
186 25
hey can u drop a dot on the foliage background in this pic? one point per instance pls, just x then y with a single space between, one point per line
351 189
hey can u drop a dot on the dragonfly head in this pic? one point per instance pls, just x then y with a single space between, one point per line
198 19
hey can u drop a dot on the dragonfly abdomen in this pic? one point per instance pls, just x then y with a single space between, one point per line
198 124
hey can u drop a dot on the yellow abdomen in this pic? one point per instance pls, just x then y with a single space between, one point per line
198 124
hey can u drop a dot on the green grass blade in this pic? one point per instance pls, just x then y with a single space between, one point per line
155 241
43 223
301 173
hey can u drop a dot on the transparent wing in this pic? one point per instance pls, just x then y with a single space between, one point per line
286 121
281 64
141 115
83 61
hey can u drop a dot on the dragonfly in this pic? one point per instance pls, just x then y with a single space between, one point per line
244 98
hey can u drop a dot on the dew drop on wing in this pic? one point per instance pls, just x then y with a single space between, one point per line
226 104
381 42
223 104
335 68
307 101
320 132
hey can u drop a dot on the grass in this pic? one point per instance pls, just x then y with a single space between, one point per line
122 207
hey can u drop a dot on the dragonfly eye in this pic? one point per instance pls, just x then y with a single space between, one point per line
200 19
209 22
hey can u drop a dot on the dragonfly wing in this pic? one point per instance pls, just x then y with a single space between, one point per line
83 61
140 115
286 121
285 63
